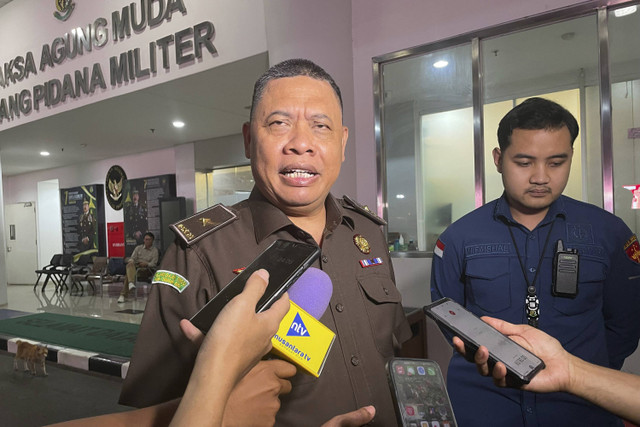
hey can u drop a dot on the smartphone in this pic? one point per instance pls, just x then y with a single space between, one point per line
419 393
284 260
522 365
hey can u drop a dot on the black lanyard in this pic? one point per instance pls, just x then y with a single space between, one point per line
531 302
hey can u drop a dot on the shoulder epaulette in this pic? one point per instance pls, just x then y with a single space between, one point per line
364 210
203 223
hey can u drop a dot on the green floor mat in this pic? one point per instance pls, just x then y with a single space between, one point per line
83 333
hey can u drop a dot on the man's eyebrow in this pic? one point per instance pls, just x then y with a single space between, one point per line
530 157
278 113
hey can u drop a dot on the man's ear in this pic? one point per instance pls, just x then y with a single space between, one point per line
246 133
497 159
345 136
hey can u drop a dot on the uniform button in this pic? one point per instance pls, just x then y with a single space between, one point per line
529 410
301 234
325 259
532 237
532 269
355 361
339 307
386 291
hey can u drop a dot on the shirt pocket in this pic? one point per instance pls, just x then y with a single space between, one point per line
591 276
381 302
488 279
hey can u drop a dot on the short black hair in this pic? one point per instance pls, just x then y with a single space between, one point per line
292 68
533 114
150 234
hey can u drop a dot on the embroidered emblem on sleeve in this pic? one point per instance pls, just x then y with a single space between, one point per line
439 249
632 249
176 281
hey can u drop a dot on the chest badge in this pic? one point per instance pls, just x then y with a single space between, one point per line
362 244
237 271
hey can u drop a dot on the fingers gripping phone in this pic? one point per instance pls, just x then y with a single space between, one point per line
419 393
284 260
522 365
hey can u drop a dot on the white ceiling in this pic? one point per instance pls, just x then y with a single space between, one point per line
213 103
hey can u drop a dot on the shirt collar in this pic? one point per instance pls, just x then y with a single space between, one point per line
268 219
502 210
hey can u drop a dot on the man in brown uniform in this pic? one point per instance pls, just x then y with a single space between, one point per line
296 142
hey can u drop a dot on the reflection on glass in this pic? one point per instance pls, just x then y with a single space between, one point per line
624 33
227 186
428 144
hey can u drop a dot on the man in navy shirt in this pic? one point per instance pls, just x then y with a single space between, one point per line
498 261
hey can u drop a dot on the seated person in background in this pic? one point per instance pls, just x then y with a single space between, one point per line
615 391
145 255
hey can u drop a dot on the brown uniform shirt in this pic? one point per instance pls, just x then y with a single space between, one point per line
365 312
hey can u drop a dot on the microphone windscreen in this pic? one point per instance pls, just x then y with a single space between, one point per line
312 291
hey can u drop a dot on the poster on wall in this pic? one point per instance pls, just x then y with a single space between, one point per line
82 220
142 208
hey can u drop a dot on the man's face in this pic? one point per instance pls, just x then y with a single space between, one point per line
148 241
85 207
135 197
296 143
535 169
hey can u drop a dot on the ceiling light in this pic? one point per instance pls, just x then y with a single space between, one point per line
440 64
44 153
399 196
178 124
624 11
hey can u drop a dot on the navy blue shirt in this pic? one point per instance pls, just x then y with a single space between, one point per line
477 265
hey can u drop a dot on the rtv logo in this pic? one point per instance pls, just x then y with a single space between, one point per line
297 328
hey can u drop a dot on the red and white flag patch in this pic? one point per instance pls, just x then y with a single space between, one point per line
439 249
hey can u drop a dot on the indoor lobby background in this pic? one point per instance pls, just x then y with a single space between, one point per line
411 128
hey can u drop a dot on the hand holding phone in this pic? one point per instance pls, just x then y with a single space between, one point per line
521 364
284 260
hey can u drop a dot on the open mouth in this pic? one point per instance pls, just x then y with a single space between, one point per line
298 173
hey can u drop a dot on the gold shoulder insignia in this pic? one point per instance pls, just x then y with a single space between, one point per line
364 210
203 223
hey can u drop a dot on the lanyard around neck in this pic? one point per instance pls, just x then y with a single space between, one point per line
531 301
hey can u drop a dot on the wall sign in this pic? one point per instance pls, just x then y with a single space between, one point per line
184 47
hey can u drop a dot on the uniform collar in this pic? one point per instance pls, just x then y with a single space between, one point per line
503 212
267 218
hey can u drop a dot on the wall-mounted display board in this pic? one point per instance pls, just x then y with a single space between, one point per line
82 210
142 208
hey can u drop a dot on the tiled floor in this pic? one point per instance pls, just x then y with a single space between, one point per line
101 305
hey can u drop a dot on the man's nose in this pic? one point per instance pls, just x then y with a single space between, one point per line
540 175
300 139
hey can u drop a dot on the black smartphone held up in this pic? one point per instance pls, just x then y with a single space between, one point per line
284 260
419 393
522 365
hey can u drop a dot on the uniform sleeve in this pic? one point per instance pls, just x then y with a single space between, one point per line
162 357
622 299
446 271
446 274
